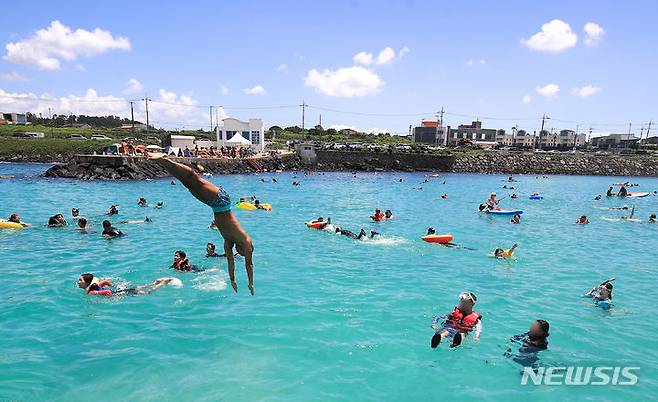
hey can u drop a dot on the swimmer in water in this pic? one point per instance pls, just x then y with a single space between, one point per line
82 224
501 253
597 198
102 287
601 293
146 220
220 203
113 210
110 231
532 342
458 324
431 231
609 193
652 218
362 234
15 218
75 213
56 221
482 207
514 196
142 202
159 204
444 196
211 253
622 192
516 219
387 214
181 263
582 220
629 217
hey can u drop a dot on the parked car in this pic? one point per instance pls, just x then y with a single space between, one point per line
128 139
100 137
78 137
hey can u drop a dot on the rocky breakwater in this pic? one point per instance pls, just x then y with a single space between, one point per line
97 167
554 163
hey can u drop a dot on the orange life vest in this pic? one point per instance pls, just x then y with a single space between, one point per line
462 322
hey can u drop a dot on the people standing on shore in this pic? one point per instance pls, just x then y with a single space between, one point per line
220 203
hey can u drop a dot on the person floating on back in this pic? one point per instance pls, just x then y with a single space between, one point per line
458 324
220 203
93 285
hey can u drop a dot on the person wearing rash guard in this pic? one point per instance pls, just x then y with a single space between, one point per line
102 287
459 323
532 342
210 251
601 293
110 231
56 221
501 253
352 235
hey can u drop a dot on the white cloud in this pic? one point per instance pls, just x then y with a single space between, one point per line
48 47
385 56
171 105
364 58
88 104
587 90
223 90
471 63
345 82
548 90
554 37
526 99
133 86
403 51
13 76
256 90
594 33
80 67
283 68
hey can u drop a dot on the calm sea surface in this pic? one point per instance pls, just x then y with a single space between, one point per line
333 318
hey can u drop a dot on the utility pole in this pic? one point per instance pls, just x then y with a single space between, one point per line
649 128
303 105
210 107
132 115
439 126
146 101
575 137
320 123
534 143
217 122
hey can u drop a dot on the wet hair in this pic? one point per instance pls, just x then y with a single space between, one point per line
211 245
181 253
652 216
543 324
107 223
609 287
87 277
13 217
82 222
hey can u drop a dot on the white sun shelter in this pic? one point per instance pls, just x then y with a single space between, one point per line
250 133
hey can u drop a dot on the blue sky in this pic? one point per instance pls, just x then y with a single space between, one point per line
477 59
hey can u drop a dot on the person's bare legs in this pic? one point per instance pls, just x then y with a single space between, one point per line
200 188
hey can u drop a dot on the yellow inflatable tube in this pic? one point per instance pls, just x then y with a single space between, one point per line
250 207
10 225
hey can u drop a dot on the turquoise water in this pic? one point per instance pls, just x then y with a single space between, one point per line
333 318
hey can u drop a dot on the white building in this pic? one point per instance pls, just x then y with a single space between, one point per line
252 130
